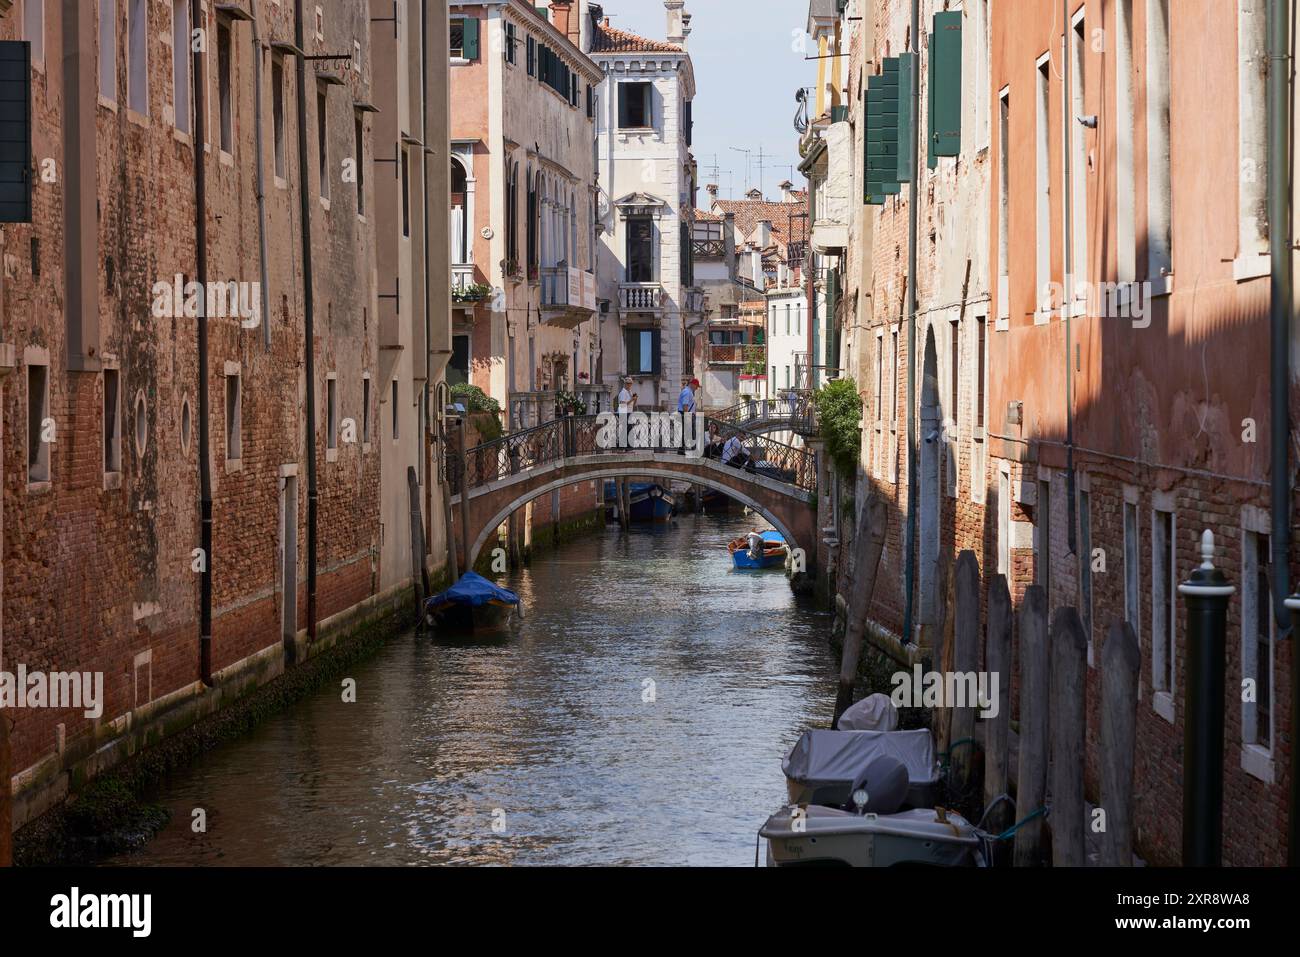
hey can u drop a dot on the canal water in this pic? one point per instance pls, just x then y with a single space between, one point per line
638 715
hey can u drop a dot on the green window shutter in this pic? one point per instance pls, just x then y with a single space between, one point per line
945 52
471 38
906 161
882 133
15 132
931 159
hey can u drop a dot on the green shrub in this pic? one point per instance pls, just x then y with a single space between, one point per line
474 399
839 410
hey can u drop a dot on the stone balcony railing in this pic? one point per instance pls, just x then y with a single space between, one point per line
640 296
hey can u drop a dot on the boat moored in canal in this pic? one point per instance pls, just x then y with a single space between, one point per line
472 604
759 550
646 501
812 835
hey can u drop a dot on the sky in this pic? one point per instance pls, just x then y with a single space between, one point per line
749 62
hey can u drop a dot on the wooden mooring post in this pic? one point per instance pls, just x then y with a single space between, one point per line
997 661
965 660
1121 664
1031 777
869 545
1069 668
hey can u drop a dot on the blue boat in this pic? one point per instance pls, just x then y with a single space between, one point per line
472 604
759 550
647 501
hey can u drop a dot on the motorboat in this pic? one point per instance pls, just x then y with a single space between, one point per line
472 604
814 835
867 799
646 501
759 550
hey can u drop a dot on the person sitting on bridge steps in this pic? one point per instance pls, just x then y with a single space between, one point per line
736 455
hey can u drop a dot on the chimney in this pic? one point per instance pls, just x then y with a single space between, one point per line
686 29
565 22
764 233
676 32
787 192
712 190
755 195
729 242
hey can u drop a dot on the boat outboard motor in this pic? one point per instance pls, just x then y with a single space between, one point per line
756 546
883 782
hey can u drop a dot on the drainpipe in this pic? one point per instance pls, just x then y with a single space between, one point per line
261 175
309 323
1279 231
912 214
1067 297
205 456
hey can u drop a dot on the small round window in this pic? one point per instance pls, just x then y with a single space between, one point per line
185 425
141 425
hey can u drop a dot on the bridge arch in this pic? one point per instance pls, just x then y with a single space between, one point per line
794 519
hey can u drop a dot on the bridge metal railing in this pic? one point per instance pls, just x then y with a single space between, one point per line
572 436
796 406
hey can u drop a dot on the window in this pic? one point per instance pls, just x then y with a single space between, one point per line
277 114
640 249
34 28
464 38
954 368
532 56
406 191
1125 203
1164 612
893 377
510 43
1085 561
38 412
234 418
1043 539
322 141
1043 201
1257 647
1004 520
533 225
1078 163
1159 190
1132 573
137 56
224 54
359 153
141 425
396 432
1252 140
880 377
112 422
642 351
365 409
1004 180
981 324
181 60
331 413
634 106
982 70
108 48
512 218
591 102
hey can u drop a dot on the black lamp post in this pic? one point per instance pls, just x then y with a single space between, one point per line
1207 593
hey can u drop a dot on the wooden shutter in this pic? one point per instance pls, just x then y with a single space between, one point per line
15 132
470 26
945 97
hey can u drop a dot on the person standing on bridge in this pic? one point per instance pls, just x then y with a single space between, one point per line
686 406
626 404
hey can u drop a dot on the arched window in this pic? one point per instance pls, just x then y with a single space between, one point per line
460 247
534 212
512 216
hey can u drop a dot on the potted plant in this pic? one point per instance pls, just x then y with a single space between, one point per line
475 293
568 403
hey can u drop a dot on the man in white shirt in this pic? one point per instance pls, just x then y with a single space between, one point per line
734 453
626 398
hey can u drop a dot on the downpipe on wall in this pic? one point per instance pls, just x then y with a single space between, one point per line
205 452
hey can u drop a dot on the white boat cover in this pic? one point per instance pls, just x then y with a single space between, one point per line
829 758
873 713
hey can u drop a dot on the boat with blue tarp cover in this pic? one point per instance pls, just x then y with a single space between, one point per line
473 603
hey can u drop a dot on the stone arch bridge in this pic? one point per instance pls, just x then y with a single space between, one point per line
493 480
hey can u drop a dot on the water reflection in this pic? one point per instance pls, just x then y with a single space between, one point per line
540 746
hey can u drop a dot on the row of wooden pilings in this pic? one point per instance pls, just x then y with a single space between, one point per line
1053 678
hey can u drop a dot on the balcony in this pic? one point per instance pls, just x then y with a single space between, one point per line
708 249
464 290
640 297
737 354
568 296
